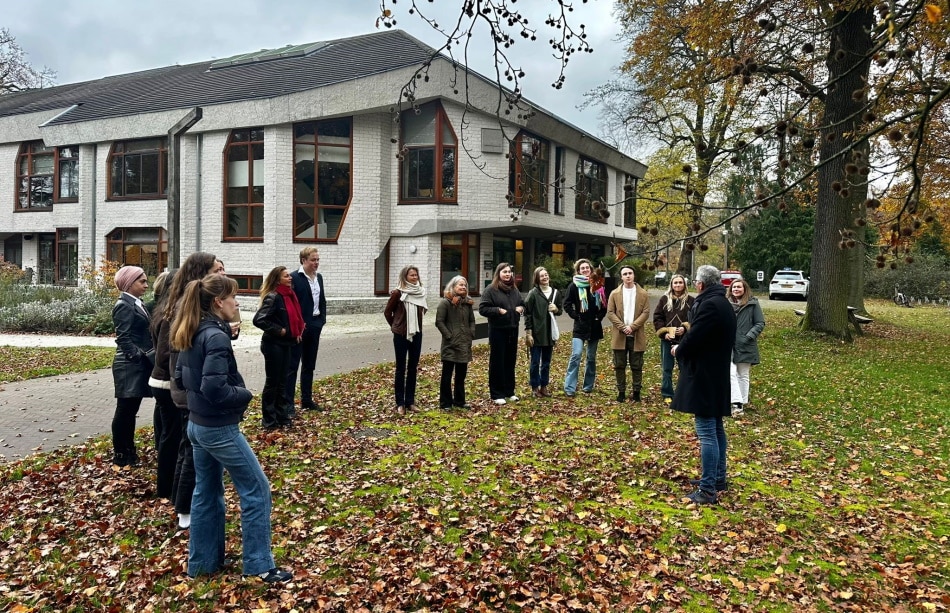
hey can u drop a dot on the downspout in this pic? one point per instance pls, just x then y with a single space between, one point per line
94 206
174 184
198 143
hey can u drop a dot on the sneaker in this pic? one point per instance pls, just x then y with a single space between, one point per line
720 487
702 497
274 575
310 406
736 409
513 398
500 401
667 401
464 406
400 410
184 520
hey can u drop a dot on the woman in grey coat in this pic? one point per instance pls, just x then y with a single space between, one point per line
455 320
132 363
745 353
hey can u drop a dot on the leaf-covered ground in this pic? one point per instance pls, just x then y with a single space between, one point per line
839 498
19 363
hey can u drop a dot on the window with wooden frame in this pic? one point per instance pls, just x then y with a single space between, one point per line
528 177
67 256
143 247
138 169
460 256
323 181
381 272
248 284
590 190
46 175
244 185
630 202
428 156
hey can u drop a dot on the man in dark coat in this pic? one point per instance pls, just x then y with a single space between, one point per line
703 390
308 285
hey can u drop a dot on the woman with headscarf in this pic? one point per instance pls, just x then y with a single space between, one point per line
503 306
403 312
280 318
132 363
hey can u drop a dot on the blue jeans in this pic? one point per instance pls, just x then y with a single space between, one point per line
217 449
573 365
668 362
712 451
540 374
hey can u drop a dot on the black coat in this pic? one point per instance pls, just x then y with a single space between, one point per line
588 325
704 356
272 317
208 371
301 287
493 300
133 355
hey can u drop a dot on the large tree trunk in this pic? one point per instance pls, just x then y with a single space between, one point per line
834 268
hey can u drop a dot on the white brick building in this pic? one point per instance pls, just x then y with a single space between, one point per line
305 146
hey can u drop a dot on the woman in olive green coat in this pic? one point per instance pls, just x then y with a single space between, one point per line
455 320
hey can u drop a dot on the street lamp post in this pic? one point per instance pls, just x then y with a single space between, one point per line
725 242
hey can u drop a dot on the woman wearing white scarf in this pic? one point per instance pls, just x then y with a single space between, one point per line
404 311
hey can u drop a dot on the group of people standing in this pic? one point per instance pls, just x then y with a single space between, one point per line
180 352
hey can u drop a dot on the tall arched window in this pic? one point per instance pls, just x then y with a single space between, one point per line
244 185
322 178
428 156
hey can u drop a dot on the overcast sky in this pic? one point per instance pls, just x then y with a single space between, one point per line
96 38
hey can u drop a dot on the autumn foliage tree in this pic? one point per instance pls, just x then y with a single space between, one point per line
844 94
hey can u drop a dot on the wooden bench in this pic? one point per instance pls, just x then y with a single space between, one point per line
854 318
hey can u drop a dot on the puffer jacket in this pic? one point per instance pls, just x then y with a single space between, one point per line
208 371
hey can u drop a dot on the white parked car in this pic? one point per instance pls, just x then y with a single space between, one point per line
789 282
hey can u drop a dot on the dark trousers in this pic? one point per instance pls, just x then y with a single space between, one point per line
502 355
183 487
274 404
169 417
540 373
625 356
407 367
304 356
123 430
446 397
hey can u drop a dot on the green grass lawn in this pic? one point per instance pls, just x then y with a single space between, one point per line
19 363
839 497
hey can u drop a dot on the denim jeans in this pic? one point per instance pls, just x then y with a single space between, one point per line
218 449
540 373
573 366
668 362
406 369
712 451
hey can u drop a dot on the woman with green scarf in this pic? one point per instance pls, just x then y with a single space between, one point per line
587 308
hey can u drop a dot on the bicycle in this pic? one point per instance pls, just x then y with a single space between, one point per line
900 299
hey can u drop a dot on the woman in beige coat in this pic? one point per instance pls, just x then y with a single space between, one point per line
628 309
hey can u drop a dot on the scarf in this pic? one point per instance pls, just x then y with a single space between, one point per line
294 313
583 283
414 298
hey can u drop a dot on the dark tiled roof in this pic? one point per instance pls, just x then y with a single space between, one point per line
197 84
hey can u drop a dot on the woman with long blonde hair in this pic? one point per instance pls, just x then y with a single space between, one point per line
671 321
217 400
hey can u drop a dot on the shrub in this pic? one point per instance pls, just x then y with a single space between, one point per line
926 278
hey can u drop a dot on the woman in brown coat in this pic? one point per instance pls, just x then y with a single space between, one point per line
404 311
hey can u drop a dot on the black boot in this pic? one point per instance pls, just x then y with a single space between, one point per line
636 396
621 396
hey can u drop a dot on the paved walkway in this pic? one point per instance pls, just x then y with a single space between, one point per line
42 414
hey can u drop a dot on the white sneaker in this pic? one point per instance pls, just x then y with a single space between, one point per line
184 520
513 399
499 401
